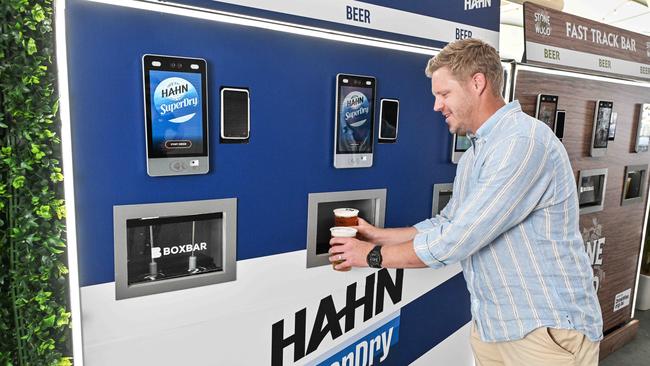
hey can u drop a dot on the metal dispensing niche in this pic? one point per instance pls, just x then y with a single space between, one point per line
441 195
172 246
371 204
634 184
591 190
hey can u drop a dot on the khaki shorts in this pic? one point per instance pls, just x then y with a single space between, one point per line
541 347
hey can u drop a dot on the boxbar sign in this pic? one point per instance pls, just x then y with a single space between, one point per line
559 39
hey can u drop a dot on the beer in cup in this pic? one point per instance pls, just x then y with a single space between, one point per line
342 232
346 217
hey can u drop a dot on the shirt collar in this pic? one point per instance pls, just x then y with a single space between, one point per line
487 127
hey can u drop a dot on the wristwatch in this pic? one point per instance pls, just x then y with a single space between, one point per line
374 257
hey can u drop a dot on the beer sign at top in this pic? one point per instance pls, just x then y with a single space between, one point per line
561 39
429 23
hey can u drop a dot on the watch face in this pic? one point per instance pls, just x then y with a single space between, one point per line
374 257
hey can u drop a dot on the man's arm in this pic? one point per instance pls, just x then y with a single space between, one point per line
392 236
384 236
513 180
511 184
354 253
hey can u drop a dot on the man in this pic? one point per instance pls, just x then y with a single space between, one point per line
512 223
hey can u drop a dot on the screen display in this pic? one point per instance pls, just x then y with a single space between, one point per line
643 140
235 113
463 143
389 112
612 126
547 106
559 124
603 118
175 103
355 119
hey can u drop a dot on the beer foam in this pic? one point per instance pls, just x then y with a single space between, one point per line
346 212
343 232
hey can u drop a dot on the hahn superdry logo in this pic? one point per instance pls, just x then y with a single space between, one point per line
328 318
594 243
543 23
477 4
368 349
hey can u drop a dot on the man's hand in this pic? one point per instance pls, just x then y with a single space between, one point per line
383 236
367 232
351 251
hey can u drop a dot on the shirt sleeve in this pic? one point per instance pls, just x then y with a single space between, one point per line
511 184
443 216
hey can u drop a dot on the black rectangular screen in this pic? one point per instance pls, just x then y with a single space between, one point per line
389 119
234 114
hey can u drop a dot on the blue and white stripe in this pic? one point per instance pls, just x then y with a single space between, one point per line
513 224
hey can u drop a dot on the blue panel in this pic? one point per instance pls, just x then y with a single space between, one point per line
424 323
291 80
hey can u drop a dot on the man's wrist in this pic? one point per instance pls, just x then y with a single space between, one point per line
374 258
377 236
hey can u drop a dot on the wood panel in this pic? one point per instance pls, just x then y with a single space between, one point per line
621 225
618 338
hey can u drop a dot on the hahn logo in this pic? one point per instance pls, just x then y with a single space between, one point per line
543 23
356 108
176 99
647 49
594 243
477 4
327 323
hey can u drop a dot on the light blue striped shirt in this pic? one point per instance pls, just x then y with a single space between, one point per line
512 223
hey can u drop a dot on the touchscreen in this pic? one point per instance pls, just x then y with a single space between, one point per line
547 113
602 127
355 120
644 129
176 114
389 120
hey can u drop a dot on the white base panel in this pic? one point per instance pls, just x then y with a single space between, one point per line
230 323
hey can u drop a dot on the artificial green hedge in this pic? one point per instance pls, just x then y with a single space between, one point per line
34 315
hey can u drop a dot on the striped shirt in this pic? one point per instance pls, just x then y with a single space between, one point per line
512 223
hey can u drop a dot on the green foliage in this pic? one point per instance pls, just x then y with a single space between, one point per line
34 316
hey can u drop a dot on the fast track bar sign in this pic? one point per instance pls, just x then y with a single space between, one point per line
560 39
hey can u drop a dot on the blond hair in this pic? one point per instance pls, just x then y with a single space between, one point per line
467 57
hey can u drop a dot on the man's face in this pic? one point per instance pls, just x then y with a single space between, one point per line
454 100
